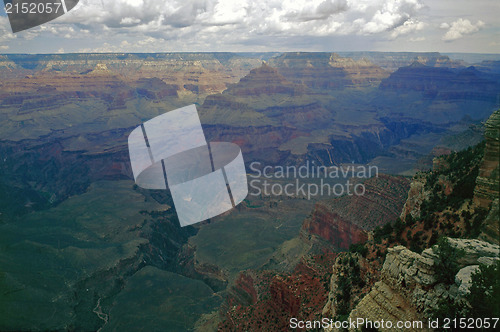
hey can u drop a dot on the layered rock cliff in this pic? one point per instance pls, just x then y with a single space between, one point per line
326 71
413 286
208 72
391 61
444 83
346 220
487 187
408 289
487 183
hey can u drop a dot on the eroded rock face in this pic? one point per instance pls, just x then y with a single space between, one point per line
487 183
283 297
345 220
330 226
464 278
416 196
327 70
383 302
408 289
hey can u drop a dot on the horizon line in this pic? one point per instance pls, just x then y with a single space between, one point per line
244 52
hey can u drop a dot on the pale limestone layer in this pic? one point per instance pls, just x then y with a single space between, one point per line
408 290
416 196
385 303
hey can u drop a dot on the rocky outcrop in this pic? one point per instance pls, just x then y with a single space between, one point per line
284 297
265 300
384 303
330 226
265 80
416 196
408 288
351 279
487 183
345 220
487 187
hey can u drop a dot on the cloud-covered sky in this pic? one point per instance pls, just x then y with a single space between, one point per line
264 25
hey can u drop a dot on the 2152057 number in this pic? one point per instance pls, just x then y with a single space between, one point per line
470 323
33 8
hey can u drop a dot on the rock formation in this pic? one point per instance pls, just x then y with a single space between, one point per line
416 196
326 71
487 188
444 83
391 61
345 220
408 289
487 183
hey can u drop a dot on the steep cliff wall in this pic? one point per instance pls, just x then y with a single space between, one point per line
408 289
487 188
346 220
487 183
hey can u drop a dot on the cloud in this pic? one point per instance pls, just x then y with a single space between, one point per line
460 28
392 15
311 11
6 34
407 27
198 24
306 17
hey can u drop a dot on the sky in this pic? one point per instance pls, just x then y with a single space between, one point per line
264 25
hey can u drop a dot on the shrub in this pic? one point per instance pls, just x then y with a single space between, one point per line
359 248
446 266
484 296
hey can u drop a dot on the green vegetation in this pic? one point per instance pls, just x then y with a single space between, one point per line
343 295
348 278
359 248
461 170
16 201
57 263
155 300
484 296
483 300
247 239
446 266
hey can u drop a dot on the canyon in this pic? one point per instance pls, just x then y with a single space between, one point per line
79 237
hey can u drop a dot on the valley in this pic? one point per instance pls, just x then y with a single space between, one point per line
83 248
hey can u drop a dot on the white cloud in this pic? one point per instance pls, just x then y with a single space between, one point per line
312 10
407 27
6 34
248 17
391 15
459 28
246 25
